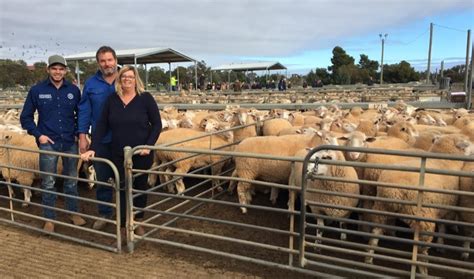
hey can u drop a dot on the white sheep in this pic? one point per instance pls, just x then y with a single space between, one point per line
21 159
273 126
276 171
313 183
183 166
167 138
450 144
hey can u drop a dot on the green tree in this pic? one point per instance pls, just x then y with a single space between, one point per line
456 73
323 75
400 73
367 68
339 59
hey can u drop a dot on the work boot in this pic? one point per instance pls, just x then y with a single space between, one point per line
48 226
99 224
139 230
77 220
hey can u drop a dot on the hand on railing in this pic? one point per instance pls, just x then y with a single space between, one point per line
144 152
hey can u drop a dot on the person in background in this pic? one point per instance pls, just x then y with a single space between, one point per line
133 117
56 101
370 82
202 81
96 90
173 83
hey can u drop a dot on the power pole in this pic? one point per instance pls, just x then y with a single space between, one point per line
469 104
429 54
467 61
381 60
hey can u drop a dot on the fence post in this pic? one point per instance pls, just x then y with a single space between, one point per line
127 191
10 189
416 235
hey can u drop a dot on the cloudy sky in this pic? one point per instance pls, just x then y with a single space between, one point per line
300 34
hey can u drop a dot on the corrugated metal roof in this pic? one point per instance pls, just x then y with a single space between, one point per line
143 56
255 66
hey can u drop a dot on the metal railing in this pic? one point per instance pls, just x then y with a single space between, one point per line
29 215
193 216
206 219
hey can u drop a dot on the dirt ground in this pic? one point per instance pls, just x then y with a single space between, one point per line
27 253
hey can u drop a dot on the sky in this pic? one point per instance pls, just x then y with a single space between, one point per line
299 34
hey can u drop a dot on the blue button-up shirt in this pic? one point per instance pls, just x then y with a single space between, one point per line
95 93
57 112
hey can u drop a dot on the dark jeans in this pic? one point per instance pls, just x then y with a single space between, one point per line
104 172
139 183
49 163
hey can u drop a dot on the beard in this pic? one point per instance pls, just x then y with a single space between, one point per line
108 71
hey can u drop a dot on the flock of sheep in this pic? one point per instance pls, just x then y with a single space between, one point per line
292 134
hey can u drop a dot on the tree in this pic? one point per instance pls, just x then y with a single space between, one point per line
339 59
367 68
323 75
346 74
456 73
402 72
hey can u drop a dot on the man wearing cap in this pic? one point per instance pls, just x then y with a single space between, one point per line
56 101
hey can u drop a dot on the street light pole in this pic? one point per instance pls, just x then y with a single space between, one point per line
383 38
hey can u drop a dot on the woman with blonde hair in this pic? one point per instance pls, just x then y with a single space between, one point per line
133 117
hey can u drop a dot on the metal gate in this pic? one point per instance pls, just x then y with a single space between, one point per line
28 215
206 219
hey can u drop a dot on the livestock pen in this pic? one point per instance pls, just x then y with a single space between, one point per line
207 220
271 235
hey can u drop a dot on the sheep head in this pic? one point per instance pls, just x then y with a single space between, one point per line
315 169
403 130
452 144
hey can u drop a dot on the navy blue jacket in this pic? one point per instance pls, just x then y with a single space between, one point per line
57 112
95 93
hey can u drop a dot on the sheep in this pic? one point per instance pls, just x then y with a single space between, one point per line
298 130
21 159
451 144
296 118
30 160
442 129
467 184
167 138
273 126
368 127
183 166
358 139
404 131
425 139
345 172
270 170
312 120
342 126
244 117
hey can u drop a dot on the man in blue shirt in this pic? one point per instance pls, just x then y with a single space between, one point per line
56 101
96 91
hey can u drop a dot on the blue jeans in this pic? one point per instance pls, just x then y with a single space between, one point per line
48 163
103 173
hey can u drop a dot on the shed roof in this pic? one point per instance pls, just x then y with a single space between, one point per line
143 56
255 66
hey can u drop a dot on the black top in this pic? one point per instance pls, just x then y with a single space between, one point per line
137 123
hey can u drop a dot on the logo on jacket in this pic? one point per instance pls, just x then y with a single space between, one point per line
70 96
45 96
